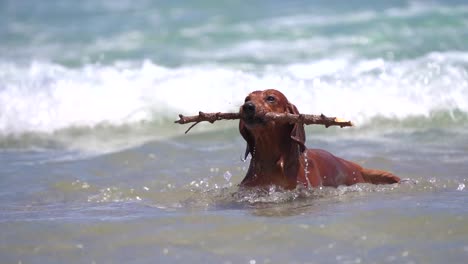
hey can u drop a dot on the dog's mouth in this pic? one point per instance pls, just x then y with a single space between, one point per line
253 120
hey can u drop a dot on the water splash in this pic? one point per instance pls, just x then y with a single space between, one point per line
227 176
146 92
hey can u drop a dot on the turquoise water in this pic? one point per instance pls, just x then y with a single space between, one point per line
229 33
94 170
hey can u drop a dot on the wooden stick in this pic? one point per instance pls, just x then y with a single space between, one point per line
282 118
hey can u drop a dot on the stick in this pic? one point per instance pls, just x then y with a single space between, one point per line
282 118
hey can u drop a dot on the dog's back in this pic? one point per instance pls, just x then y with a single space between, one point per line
329 170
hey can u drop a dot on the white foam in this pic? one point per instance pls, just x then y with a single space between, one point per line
46 97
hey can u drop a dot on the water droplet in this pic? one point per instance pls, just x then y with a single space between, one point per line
227 176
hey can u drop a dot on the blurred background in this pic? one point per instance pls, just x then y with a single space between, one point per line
93 169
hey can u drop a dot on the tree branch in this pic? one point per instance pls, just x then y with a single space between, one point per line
277 117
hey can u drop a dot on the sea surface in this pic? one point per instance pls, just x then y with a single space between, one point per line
93 169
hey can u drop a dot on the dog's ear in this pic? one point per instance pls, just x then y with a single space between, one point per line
248 137
297 132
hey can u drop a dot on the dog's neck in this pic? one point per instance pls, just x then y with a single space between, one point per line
276 159
270 149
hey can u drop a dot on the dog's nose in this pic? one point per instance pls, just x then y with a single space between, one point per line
248 108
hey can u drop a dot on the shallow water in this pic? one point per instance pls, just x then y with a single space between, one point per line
177 200
93 170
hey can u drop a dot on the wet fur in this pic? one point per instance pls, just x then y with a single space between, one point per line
279 154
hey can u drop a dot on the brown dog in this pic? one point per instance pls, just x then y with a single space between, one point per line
279 154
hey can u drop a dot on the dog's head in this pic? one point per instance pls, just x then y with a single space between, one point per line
252 121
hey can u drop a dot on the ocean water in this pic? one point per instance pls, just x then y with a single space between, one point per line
93 169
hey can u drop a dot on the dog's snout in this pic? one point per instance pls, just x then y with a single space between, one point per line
249 108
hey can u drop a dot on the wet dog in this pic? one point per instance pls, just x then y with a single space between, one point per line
279 154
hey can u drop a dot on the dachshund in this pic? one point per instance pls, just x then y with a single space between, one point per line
280 157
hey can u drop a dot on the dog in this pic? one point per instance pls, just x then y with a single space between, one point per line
280 157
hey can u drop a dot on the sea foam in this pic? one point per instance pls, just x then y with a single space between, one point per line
45 97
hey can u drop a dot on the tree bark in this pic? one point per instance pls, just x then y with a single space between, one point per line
277 117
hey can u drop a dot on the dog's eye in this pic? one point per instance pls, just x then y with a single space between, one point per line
271 99
247 99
